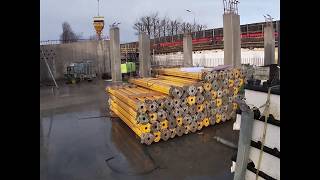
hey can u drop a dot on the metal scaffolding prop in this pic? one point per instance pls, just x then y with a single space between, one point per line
170 105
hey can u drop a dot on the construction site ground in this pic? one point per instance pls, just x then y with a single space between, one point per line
79 141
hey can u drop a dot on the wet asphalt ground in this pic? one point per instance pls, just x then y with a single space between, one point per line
80 141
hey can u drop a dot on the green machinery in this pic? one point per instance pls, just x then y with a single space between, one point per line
79 71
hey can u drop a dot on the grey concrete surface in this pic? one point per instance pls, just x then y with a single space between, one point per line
231 39
77 137
61 55
115 54
187 50
144 55
269 45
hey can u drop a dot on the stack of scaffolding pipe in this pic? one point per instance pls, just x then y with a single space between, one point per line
137 107
170 105
179 73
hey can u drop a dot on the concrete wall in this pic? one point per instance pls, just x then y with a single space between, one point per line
61 55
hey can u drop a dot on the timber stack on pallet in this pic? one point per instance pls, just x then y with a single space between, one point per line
177 101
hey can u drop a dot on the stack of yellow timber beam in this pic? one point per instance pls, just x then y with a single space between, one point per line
169 105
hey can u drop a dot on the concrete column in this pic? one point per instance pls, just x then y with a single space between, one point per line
187 50
231 39
245 136
100 58
269 45
144 55
107 57
115 55
278 43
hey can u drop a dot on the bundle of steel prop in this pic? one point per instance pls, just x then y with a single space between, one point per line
166 106
138 108
192 73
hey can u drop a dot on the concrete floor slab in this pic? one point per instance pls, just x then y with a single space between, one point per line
78 140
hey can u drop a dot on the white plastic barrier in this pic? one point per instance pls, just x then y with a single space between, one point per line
170 59
209 58
259 98
270 164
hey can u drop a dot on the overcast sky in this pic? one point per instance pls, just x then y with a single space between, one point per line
79 13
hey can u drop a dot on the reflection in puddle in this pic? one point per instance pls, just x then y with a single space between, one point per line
133 157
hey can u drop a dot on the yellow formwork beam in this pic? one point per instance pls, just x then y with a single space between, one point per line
132 95
134 103
117 101
153 85
178 72
141 95
174 83
127 121
162 81
143 127
146 138
145 94
136 95
155 94
178 79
